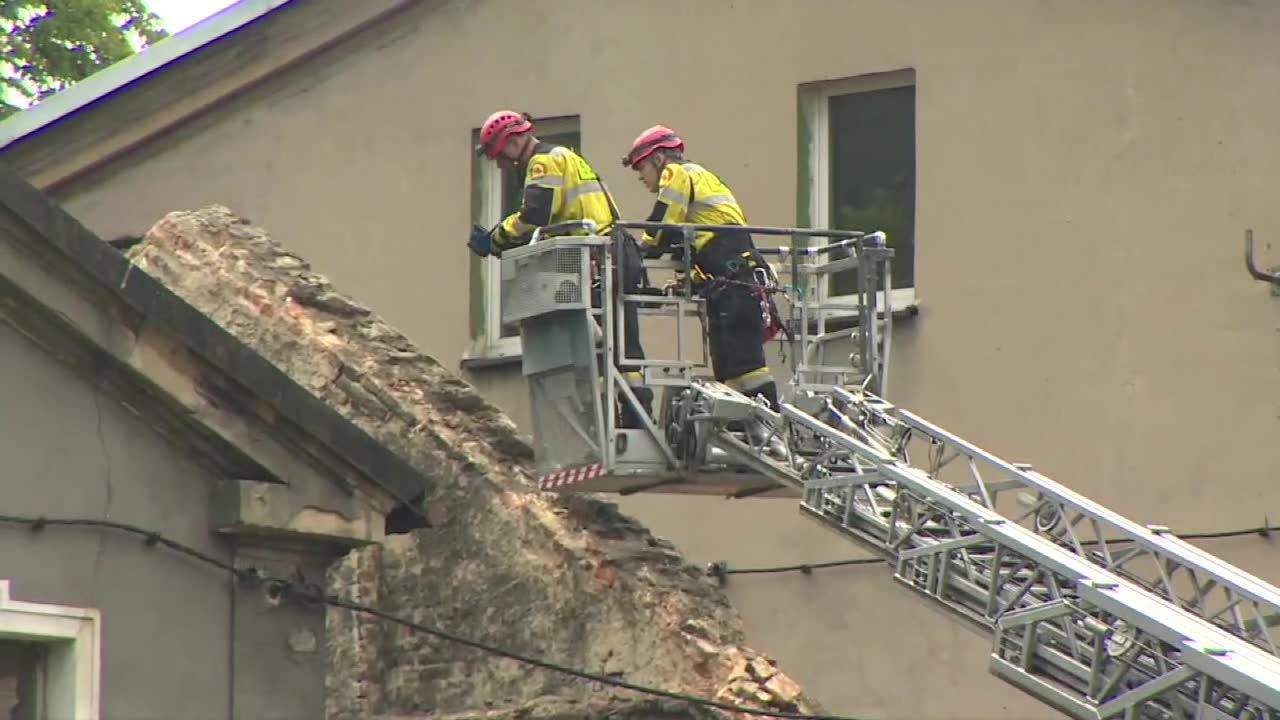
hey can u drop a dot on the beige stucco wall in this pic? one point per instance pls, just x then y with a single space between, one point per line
1085 168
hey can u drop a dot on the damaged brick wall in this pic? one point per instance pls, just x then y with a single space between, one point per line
567 579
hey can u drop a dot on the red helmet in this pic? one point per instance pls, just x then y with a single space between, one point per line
498 127
658 136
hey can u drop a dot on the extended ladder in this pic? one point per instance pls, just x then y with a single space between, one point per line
1091 613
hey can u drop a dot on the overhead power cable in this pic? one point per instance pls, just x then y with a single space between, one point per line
721 569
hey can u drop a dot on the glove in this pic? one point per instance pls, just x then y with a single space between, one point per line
480 243
500 239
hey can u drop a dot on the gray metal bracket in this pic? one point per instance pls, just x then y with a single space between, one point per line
1272 277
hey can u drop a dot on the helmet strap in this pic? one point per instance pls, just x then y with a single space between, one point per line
527 152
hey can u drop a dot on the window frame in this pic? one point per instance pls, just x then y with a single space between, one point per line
73 661
815 108
487 341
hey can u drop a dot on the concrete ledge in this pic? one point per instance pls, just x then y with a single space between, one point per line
270 511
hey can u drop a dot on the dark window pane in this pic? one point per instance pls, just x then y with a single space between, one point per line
513 185
873 174
19 685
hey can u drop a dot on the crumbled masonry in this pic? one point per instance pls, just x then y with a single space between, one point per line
567 579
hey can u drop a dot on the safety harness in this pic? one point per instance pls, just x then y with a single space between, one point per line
761 282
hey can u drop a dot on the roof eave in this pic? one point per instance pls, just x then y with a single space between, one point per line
309 424
107 81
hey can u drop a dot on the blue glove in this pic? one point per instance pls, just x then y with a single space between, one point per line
480 243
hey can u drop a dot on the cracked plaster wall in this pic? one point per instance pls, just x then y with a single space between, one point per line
169 626
67 451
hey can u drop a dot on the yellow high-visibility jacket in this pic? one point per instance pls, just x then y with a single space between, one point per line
689 193
559 186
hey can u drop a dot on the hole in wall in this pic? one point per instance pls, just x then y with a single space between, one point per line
407 516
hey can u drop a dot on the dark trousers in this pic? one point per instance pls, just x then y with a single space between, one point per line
735 331
630 276
735 325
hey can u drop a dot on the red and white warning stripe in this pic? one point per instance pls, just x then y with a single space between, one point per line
571 476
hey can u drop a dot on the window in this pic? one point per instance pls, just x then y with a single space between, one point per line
21 670
496 194
858 168
49 660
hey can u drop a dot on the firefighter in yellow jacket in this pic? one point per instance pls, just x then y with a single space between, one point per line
689 193
560 186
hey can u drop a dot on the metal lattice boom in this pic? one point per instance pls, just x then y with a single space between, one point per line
1151 557
1072 622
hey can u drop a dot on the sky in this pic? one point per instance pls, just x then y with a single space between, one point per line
179 15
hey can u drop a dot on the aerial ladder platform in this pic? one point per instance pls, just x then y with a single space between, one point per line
1088 611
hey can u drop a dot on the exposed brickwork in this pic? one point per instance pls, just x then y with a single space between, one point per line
566 579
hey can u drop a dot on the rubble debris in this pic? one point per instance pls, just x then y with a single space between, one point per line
567 579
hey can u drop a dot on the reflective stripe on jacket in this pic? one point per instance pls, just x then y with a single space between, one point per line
712 203
559 186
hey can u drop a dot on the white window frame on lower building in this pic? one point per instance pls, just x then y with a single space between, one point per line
815 114
73 636
491 345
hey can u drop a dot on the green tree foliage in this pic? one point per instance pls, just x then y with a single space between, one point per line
50 45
